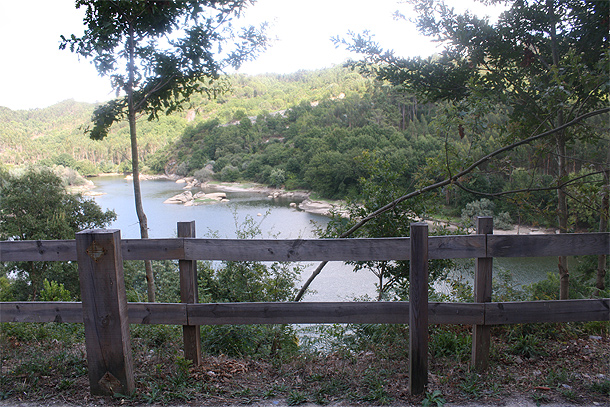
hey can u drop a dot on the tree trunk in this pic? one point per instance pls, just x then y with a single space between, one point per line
135 166
562 168
562 217
603 227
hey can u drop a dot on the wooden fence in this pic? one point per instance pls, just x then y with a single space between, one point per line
106 313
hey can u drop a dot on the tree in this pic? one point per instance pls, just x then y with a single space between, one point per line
546 60
36 206
383 184
159 53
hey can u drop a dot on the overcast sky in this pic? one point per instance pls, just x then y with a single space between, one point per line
34 73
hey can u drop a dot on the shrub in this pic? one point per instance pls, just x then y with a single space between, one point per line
485 207
444 343
203 175
229 173
53 291
277 177
182 169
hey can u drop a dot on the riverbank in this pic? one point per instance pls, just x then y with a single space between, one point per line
302 200
326 207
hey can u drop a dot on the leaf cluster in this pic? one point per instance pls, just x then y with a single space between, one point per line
159 53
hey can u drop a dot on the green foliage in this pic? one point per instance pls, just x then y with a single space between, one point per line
65 334
35 206
450 344
582 283
434 399
277 177
374 386
602 387
155 336
383 184
533 80
52 291
471 385
485 207
527 346
296 398
229 173
45 210
248 282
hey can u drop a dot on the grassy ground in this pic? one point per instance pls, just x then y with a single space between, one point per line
354 365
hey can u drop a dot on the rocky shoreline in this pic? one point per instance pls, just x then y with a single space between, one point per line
306 204
189 199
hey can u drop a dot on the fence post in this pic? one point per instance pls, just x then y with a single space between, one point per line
418 309
104 303
481 334
188 294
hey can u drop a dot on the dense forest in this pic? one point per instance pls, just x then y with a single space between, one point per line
322 131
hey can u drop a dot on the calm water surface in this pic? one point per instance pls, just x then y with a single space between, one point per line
276 219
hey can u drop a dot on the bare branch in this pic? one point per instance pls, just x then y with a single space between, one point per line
516 191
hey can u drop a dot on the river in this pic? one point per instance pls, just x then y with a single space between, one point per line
276 218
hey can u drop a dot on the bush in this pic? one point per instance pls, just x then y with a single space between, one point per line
485 207
203 175
229 173
277 177
53 291
182 169
69 176
446 343
85 168
248 282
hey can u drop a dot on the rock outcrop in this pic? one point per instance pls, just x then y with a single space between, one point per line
187 198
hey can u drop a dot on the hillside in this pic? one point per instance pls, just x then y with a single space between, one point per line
45 134
326 131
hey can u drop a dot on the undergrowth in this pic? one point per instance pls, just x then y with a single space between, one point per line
321 364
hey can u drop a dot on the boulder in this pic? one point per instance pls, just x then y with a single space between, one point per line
180 198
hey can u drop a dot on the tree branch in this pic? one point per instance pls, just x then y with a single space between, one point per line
445 182
516 191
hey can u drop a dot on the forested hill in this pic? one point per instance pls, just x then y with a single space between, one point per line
326 116
23 133
325 130
34 135
316 142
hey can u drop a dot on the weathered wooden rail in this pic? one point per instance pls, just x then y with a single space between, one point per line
106 313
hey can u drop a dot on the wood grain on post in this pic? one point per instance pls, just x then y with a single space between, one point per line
481 334
188 294
418 310
104 307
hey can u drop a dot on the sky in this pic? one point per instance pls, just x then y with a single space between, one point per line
34 73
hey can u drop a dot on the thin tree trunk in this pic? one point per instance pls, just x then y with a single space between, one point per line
603 227
562 217
135 166
562 168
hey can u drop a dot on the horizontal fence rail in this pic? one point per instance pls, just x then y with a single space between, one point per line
106 313
439 247
379 312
